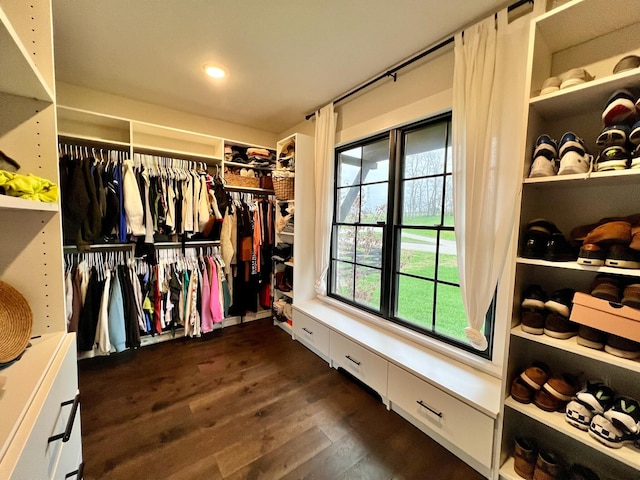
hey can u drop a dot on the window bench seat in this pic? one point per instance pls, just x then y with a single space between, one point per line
455 404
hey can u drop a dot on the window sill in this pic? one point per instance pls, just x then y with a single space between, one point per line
477 387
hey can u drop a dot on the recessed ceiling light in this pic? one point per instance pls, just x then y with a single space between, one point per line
214 71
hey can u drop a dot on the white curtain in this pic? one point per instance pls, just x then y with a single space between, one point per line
324 151
487 134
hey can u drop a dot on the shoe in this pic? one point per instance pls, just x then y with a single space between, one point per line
620 108
625 413
532 321
579 234
534 297
536 236
543 167
627 63
548 466
591 254
579 472
591 338
556 393
607 287
559 250
536 375
560 327
612 158
561 301
631 296
525 385
280 282
545 147
573 156
595 398
610 233
635 158
621 256
634 133
610 434
573 77
614 135
550 85
622 347
525 455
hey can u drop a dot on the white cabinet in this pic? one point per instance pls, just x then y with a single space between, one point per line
41 395
595 35
359 362
449 421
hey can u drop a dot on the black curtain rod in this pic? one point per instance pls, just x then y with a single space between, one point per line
393 71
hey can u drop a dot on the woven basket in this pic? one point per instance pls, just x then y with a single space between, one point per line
240 181
266 182
284 188
16 322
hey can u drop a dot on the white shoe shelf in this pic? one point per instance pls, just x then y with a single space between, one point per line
594 35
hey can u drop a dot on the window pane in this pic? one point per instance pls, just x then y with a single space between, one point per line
450 313
424 152
415 301
348 208
342 281
449 157
349 167
375 162
448 201
368 286
447 260
422 201
345 241
417 252
369 246
374 203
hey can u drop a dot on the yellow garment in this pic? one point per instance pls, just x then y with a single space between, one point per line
28 186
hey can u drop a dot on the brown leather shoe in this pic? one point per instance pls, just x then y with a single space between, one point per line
610 233
525 456
635 237
548 466
555 394
579 233
631 296
536 375
520 391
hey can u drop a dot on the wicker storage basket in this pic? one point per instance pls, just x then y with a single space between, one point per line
284 187
266 182
240 181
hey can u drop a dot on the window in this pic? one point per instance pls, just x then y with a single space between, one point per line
393 250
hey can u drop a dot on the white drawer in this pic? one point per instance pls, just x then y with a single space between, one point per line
465 427
311 332
51 410
360 362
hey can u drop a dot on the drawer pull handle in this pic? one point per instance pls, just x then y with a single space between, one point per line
308 331
435 412
353 360
79 473
66 435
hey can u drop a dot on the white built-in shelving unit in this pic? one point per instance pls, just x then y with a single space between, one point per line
595 35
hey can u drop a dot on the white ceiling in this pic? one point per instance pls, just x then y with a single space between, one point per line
285 57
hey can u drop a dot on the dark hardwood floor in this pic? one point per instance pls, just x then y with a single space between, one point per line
245 403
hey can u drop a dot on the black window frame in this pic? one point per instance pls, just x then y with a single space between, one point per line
391 232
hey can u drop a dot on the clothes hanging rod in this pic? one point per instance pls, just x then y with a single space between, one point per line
393 72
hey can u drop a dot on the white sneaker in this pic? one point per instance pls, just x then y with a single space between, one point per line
543 167
574 162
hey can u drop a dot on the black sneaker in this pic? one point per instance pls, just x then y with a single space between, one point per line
622 256
561 302
592 254
559 250
534 298
536 236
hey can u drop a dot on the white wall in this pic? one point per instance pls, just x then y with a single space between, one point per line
79 97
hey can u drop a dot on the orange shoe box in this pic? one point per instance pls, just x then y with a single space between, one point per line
606 316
